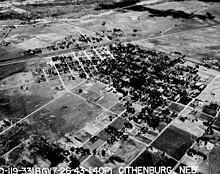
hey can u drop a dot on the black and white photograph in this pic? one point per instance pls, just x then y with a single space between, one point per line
109 86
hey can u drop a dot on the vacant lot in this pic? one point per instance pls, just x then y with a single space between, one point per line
94 92
119 123
189 126
118 108
69 83
106 117
92 162
90 90
214 159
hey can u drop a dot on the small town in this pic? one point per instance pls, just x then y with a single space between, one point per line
105 92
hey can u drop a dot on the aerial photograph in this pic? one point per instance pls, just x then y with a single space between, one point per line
109 86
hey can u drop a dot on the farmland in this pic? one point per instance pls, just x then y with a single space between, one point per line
174 147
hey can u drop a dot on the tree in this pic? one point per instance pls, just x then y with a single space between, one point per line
74 162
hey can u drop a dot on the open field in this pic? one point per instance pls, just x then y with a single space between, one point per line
55 119
30 37
8 70
68 107
106 117
70 84
194 44
12 104
212 92
94 92
119 123
190 126
174 142
214 160
175 107
118 108
145 20
37 96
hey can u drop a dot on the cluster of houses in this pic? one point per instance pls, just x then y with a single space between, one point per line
128 72
143 77
111 34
